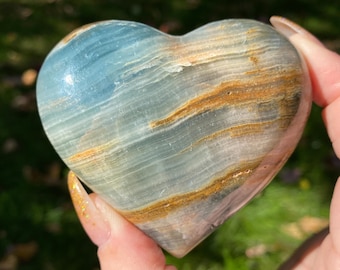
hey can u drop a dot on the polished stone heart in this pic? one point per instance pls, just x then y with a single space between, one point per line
175 132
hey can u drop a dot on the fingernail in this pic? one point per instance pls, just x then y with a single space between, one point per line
92 219
289 28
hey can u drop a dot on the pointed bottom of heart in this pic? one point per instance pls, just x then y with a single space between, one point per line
179 231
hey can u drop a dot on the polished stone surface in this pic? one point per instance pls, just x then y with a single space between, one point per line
175 132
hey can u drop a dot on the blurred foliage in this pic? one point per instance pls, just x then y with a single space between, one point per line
38 227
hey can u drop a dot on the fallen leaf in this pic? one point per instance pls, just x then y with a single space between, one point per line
293 230
52 177
310 225
9 262
25 102
25 251
256 251
28 77
304 227
10 145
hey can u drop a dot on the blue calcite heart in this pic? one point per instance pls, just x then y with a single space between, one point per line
175 132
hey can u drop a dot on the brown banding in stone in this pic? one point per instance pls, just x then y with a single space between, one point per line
264 87
233 177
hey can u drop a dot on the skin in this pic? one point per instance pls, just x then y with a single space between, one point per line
122 246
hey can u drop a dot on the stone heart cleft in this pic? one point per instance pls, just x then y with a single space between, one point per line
175 132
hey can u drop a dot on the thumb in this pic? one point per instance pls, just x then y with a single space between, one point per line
121 245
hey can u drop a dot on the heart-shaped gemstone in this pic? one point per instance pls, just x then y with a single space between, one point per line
175 132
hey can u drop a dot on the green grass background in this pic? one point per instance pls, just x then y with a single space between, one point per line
38 226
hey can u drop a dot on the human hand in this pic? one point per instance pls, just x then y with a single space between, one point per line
324 70
121 245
